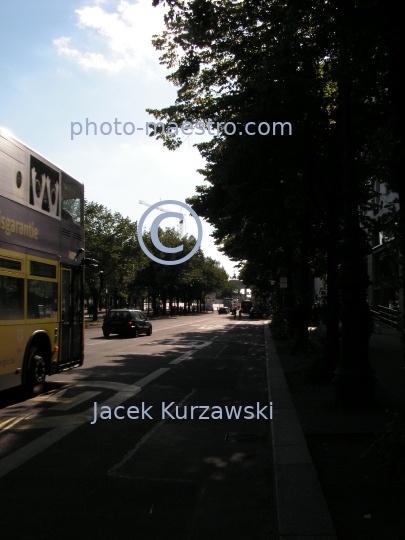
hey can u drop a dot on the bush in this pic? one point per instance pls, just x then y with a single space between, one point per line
390 445
280 327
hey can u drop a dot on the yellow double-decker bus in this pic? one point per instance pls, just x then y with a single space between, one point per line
41 267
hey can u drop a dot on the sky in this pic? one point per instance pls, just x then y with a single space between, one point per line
64 61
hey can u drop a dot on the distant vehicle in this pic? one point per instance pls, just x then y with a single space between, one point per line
246 306
255 312
209 306
126 322
223 310
227 302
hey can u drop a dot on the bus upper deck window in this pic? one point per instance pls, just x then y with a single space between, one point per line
72 200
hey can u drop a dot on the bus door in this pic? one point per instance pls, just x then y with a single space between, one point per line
77 326
72 318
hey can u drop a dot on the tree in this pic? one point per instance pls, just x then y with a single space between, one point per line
106 234
322 65
233 65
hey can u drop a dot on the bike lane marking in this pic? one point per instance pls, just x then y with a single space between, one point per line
22 455
128 455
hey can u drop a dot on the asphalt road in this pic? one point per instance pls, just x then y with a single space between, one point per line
142 441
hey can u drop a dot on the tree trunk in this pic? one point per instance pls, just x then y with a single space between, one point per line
331 351
354 378
96 296
164 302
302 309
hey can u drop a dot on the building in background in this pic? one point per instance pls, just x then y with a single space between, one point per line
385 294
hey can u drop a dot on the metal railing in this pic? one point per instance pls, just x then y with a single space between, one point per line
384 315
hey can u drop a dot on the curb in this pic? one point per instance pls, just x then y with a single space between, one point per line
301 509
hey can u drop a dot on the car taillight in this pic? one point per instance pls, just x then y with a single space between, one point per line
129 322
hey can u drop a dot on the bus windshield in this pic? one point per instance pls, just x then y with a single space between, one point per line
72 201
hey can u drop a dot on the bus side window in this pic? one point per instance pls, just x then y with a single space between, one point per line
42 299
11 298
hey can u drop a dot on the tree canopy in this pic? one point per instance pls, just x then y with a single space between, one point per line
127 275
294 201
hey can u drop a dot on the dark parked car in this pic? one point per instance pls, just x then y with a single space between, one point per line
223 310
255 312
126 322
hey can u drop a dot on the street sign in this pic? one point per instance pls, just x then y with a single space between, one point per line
283 285
283 282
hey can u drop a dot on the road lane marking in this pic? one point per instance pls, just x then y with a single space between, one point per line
174 343
208 326
26 411
183 357
30 450
220 352
174 326
152 376
68 403
50 395
128 456
149 479
45 422
101 384
14 421
21 456
28 414
105 341
6 423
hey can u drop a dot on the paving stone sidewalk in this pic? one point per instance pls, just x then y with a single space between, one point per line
328 485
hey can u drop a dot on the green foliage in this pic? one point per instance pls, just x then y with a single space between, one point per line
108 238
290 61
254 59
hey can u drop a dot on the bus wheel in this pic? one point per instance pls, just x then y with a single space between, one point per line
36 373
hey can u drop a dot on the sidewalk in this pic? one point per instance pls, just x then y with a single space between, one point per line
326 487
302 512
